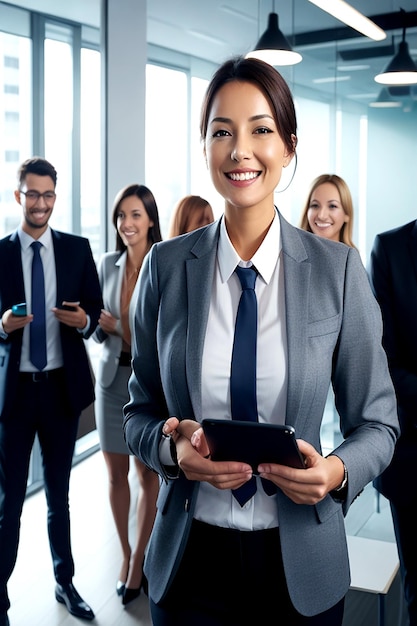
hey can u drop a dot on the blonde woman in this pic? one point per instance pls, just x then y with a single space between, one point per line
328 211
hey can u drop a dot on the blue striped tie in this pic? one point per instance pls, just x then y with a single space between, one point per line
38 324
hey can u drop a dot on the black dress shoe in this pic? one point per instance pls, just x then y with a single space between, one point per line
68 595
4 620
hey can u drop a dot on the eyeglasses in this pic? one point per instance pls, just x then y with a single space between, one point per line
33 196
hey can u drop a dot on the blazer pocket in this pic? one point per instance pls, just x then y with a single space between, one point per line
323 327
326 508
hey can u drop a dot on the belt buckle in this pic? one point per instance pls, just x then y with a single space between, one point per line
38 377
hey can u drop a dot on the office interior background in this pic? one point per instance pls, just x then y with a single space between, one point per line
110 90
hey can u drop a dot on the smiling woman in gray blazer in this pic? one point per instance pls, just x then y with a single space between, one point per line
136 222
281 557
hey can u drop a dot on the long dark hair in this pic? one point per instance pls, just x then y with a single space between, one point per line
147 197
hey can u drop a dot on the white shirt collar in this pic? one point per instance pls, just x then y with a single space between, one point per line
264 259
26 240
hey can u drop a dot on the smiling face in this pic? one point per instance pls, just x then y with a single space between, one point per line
133 222
36 211
245 153
326 216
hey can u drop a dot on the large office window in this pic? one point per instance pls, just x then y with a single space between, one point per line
50 105
58 117
175 164
166 174
90 148
15 120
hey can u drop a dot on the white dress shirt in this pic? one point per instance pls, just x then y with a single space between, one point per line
53 341
215 506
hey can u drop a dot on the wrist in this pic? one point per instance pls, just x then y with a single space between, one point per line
344 482
339 493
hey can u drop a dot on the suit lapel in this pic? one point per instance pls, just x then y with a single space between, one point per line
199 276
15 269
297 284
60 262
412 246
116 278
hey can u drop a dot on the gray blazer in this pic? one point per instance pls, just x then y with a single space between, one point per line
110 272
334 335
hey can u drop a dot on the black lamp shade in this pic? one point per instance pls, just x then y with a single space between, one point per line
273 38
273 47
401 70
385 101
399 91
402 62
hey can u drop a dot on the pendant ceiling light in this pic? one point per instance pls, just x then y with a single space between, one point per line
273 47
401 70
385 101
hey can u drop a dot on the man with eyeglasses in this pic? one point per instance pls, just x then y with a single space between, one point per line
45 378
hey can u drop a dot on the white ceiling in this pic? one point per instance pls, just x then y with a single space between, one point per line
217 29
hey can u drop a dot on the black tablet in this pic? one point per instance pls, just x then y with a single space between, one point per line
252 442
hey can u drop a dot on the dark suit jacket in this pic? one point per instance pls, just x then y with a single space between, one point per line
76 280
334 331
393 274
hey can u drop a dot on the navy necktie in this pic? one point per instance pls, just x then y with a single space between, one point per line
38 324
243 368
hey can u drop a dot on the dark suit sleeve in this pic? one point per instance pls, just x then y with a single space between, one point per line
393 283
77 278
91 301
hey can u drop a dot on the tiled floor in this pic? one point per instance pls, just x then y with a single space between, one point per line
96 555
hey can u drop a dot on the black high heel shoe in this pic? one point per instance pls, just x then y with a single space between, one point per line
130 593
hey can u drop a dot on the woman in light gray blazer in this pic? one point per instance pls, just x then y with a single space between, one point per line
279 557
135 218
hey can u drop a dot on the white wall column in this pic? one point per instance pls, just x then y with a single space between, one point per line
124 63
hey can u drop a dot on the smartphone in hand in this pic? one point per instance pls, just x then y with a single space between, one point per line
20 309
69 306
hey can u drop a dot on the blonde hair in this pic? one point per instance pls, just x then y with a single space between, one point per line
184 211
345 235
